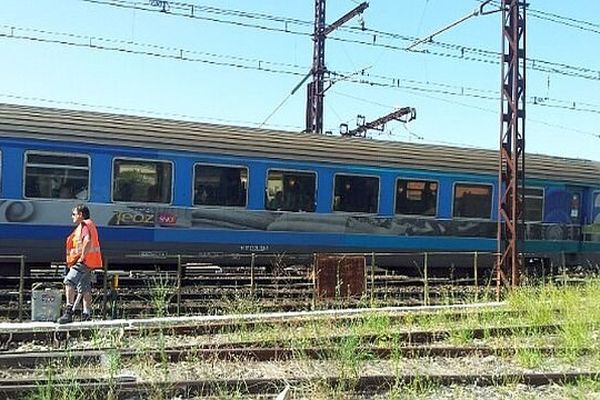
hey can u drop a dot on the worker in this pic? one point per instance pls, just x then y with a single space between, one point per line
83 256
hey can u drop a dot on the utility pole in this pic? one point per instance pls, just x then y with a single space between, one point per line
511 172
511 168
316 88
404 114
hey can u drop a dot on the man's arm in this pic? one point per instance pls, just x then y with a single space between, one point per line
85 243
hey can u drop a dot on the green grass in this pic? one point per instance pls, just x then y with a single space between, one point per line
529 358
161 289
241 302
60 385
419 387
584 389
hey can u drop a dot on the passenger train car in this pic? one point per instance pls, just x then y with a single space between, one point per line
158 186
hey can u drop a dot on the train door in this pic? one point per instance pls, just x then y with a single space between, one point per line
595 208
576 205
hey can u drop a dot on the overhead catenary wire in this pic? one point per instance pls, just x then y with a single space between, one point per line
180 54
276 109
12 31
464 53
477 12
98 43
570 22
138 111
471 106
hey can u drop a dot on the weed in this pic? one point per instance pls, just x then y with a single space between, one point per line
96 338
162 289
59 387
583 389
575 337
372 323
416 387
460 336
535 303
241 302
322 390
529 357
45 391
349 358
226 393
113 364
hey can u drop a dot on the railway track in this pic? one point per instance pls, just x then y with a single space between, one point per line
12 334
240 351
62 338
194 300
127 388
144 309
179 357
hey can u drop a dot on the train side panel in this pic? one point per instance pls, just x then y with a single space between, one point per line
37 227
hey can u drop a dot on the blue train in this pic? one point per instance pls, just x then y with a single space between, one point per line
157 186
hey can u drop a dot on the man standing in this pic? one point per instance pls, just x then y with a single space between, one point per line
83 255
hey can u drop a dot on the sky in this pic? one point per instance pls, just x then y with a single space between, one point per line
238 61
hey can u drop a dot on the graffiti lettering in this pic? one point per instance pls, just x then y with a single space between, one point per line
132 218
16 211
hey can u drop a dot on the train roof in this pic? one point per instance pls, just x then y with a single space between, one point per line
145 132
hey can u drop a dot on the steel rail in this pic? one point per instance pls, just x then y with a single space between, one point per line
126 387
236 319
410 337
141 307
33 360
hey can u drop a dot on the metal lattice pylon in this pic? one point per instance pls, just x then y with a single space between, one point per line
316 88
511 175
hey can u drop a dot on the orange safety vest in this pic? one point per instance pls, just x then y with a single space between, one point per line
93 258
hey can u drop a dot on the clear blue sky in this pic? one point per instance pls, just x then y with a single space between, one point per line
41 73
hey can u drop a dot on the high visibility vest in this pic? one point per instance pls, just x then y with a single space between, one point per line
93 257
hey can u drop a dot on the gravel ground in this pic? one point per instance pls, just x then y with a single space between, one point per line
331 368
352 364
146 369
512 392
509 392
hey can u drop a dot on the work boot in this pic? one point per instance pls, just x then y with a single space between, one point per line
66 317
86 316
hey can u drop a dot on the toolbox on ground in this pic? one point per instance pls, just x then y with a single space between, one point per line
46 302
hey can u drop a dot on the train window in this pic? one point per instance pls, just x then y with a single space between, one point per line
56 176
142 181
220 186
416 197
353 193
534 204
290 191
472 200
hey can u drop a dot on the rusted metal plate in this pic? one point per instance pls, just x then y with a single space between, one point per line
352 276
338 275
326 276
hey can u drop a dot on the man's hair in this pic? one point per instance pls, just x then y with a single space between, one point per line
83 210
